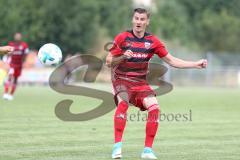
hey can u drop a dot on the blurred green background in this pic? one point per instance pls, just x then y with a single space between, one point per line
78 25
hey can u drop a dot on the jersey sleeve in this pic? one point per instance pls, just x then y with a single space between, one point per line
160 49
26 49
116 49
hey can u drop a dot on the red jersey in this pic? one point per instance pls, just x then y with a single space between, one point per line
143 50
16 57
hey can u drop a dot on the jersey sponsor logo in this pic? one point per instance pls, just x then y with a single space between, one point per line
17 52
139 55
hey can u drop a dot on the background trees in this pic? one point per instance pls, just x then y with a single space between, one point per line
74 24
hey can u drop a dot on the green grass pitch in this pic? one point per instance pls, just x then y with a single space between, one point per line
29 129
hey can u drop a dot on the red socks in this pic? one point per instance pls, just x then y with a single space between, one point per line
151 126
13 89
120 119
6 86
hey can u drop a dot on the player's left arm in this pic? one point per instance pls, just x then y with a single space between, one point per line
6 49
26 48
161 51
26 51
179 63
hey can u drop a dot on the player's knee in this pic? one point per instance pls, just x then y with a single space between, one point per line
154 107
122 96
149 101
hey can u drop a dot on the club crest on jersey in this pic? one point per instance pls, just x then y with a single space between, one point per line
147 45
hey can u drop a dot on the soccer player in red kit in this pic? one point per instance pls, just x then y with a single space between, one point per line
128 59
15 61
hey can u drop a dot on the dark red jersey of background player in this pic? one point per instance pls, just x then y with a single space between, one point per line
17 56
143 50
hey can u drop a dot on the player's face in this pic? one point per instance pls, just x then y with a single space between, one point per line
17 37
140 22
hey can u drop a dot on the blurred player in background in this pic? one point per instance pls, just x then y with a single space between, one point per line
15 60
129 58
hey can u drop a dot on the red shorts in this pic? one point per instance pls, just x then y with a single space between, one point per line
15 71
136 90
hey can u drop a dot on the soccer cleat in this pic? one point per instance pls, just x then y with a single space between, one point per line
117 151
10 97
5 96
148 153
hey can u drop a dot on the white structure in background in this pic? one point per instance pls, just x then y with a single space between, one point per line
239 77
149 4
146 3
38 76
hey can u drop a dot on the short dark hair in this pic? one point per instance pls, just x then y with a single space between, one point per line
141 10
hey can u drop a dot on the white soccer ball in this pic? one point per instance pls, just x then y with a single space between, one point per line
50 54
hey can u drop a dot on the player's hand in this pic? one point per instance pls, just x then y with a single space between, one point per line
201 63
6 49
128 54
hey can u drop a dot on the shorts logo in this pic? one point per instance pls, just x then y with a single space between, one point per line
147 45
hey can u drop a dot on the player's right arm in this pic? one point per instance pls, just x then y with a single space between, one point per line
6 49
116 54
112 60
